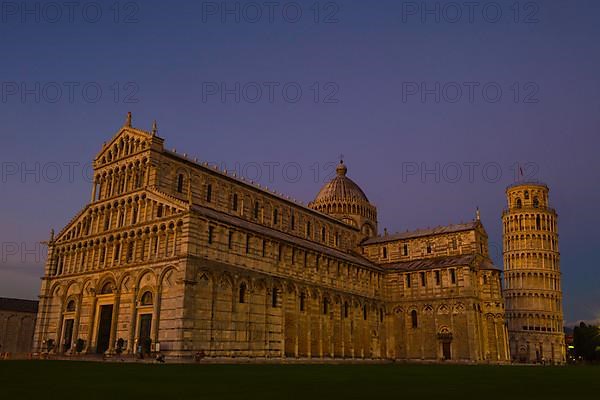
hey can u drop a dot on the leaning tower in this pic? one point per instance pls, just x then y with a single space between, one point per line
532 276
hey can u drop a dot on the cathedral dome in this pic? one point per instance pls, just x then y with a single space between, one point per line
341 188
345 200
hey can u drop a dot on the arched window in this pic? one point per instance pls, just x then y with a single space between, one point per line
211 231
453 275
130 251
538 223
518 203
413 318
302 301
242 293
234 205
365 312
146 299
308 229
275 216
322 234
274 297
536 202
70 306
325 306
208 193
117 251
428 248
180 183
526 195
384 252
230 240
345 309
108 288
256 209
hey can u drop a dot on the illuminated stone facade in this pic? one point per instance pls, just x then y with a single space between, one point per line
174 255
533 285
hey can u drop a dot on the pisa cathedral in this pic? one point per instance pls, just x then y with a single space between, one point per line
174 256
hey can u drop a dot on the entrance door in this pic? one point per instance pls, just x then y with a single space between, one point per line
68 334
446 351
104 326
144 336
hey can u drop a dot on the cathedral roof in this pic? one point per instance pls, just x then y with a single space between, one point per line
340 188
285 237
18 305
441 262
423 232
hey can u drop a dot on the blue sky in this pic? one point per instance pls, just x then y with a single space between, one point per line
396 90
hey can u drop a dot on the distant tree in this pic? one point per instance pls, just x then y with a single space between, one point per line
586 339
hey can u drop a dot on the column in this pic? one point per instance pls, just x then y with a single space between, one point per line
131 342
156 315
114 322
90 335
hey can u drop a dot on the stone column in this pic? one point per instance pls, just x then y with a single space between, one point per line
156 315
114 322
131 345
77 317
58 348
92 320
94 184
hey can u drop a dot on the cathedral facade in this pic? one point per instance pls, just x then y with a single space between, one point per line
174 256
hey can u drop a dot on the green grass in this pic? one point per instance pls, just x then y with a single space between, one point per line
87 380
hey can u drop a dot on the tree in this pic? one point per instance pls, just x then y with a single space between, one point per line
586 339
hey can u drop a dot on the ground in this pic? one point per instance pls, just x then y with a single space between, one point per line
91 380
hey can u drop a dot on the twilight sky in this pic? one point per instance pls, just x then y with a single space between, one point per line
432 110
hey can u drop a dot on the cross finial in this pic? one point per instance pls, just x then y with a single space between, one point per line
477 215
341 158
128 120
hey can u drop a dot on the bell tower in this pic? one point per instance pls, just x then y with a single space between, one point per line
532 291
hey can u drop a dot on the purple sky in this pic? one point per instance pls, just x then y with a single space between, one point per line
379 83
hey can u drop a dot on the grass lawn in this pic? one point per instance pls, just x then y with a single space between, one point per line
87 380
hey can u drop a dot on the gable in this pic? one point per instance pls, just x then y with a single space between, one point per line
126 142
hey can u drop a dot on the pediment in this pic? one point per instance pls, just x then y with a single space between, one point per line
126 142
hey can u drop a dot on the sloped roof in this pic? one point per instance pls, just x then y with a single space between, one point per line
440 262
423 232
18 305
285 237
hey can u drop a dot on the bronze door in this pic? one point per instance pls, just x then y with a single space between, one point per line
104 326
446 350
144 336
68 335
